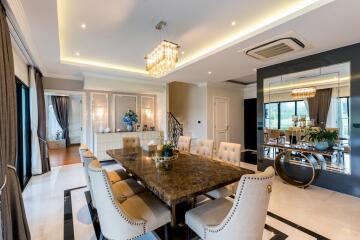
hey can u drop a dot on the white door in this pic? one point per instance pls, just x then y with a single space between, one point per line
221 120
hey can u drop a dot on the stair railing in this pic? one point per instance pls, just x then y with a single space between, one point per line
175 129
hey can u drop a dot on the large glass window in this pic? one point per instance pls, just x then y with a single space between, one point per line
287 111
278 115
344 117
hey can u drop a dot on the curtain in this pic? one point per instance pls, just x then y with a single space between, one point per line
333 114
319 106
41 131
61 109
36 166
14 225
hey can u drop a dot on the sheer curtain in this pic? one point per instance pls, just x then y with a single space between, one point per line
333 114
53 125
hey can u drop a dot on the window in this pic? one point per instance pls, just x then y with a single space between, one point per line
23 163
54 128
287 111
278 115
344 117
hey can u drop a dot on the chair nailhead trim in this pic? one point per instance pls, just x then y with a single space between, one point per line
221 227
108 188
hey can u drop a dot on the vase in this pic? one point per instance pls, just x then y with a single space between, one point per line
321 146
129 127
168 153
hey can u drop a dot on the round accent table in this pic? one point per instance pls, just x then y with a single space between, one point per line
313 160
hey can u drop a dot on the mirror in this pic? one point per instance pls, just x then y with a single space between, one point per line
299 103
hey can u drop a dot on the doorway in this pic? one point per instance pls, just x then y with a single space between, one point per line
59 152
23 162
221 120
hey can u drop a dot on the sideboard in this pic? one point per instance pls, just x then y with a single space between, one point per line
106 141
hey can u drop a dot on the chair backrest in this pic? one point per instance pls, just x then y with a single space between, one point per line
274 133
184 144
205 148
131 142
115 223
246 218
87 158
230 152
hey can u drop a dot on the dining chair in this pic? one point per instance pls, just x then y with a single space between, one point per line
131 142
128 219
115 175
123 189
184 144
231 153
204 148
241 218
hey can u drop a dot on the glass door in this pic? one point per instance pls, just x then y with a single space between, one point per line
23 162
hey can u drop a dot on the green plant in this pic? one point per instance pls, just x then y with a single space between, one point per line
322 135
168 149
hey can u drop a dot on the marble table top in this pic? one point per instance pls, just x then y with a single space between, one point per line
190 175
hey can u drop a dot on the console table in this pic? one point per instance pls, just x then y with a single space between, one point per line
113 140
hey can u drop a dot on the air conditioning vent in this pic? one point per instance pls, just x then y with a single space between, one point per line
275 48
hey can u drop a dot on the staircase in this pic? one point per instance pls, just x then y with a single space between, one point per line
175 128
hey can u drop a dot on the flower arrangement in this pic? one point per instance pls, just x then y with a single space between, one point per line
130 118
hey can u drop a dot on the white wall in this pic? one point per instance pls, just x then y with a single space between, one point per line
75 119
235 93
187 102
111 85
250 91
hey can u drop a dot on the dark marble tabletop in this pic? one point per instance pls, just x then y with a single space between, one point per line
190 175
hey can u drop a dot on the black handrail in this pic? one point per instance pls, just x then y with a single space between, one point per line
175 129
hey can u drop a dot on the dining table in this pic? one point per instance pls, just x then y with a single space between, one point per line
189 177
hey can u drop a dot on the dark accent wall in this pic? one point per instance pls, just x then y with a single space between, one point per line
349 184
250 123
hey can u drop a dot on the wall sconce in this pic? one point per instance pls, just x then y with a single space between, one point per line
148 113
100 112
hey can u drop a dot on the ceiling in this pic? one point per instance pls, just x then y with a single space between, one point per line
119 33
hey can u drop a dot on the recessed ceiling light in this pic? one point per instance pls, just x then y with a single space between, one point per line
233 23
209 73
182 52
83 25
77 54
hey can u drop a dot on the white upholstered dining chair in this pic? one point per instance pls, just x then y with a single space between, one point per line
131 142
128 219
123 189
87 156
243 218
204 148
184 144
231 153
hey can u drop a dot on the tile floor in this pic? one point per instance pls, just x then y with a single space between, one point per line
327 213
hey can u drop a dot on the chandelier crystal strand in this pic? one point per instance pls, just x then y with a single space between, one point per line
303 93
162 59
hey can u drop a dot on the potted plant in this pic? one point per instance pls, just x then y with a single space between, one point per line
168 148
323 139
130 118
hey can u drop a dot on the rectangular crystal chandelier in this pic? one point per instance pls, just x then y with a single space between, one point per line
162 59
303 93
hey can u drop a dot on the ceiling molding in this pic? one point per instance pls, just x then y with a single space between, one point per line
261 26
63 76
16 15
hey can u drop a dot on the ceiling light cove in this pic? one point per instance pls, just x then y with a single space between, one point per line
90 63
241 31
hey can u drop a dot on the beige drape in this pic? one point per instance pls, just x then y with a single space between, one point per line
14 225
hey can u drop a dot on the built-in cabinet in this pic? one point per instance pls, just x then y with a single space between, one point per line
106 141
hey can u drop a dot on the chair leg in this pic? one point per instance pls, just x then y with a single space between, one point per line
188 233
167 231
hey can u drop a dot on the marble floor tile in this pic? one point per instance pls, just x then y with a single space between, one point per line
328 213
